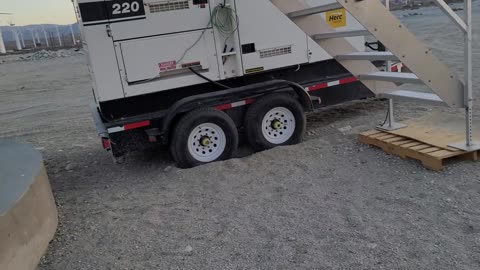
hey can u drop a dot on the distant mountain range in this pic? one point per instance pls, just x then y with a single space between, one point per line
26 30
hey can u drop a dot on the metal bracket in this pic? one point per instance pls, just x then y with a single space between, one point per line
391 127
474 146
391 124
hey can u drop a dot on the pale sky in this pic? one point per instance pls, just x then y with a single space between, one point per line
27 12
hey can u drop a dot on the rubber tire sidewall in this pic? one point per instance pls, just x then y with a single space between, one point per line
258 110
179 142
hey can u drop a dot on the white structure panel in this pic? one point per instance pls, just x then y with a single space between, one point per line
268 28
148 60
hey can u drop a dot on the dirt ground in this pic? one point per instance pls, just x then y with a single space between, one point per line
329 203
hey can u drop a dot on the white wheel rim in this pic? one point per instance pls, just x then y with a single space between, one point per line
278 125
197 142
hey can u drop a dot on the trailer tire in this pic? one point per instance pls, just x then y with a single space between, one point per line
203 136
275 120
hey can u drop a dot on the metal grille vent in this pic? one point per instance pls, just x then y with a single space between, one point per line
168 6
275 52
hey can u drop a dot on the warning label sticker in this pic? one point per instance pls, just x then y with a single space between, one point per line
337 18
167 66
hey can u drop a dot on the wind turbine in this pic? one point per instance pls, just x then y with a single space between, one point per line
37 36
33 39
59 38
2 44
73 35
23 40
46 38
16 35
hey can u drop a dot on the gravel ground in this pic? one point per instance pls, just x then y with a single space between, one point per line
329 203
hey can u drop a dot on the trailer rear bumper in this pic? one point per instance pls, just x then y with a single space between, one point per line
97 119
101 128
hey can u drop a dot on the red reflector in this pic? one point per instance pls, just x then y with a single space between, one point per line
318 87
348 80
249 101
224 107
137 125
106 143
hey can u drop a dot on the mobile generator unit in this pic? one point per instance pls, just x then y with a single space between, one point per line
192 74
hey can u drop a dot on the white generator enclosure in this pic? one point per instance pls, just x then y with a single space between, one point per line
138 47
197 74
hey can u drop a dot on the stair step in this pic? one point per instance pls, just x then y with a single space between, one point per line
314 10
391 77
369 56
408 95
341 34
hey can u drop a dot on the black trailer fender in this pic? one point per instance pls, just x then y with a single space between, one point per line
243 92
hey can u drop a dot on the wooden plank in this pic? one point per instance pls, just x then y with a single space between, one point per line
452 149
420 147
433 164
400 143
388 136
430 150
443 154
396 139
412 144
378 135
371 132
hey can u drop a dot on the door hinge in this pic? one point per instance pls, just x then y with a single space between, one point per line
109 31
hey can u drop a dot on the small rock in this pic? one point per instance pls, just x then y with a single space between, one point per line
188 249
167 169
372 245
70 166
291 239
345 129
79 145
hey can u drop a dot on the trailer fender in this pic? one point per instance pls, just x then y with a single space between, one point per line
243 92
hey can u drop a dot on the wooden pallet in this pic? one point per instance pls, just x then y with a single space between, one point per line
432 157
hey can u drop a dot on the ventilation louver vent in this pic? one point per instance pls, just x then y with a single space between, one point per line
275 52
168 6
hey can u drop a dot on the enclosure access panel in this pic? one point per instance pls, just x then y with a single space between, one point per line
138 47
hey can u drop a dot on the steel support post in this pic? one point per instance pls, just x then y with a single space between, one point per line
469 144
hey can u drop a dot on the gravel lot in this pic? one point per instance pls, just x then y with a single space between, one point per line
329 203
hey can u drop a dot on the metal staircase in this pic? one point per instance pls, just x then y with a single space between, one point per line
403 46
